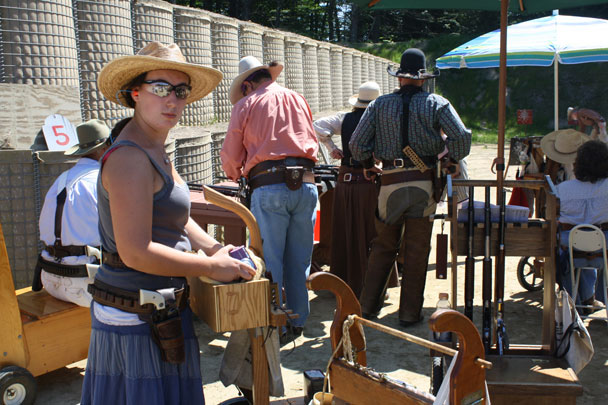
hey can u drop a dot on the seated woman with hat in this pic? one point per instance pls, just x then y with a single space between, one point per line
140 352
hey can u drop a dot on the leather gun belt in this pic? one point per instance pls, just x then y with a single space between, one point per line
405 176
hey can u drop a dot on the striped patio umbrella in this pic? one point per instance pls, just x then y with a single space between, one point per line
538 42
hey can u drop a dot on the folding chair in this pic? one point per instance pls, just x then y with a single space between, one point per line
586 238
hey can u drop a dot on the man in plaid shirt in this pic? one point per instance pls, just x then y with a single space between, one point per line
405 201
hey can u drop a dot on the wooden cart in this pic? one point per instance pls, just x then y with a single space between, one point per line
527 374
39 334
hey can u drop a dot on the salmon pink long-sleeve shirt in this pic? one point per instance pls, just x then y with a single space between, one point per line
271 123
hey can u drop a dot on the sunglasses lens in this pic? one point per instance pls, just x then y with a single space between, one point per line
161 89
182 92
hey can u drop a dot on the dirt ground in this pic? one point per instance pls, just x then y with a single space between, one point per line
402 360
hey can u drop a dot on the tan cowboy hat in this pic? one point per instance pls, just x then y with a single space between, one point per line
247 66
368 92
92 135
561 145
118 73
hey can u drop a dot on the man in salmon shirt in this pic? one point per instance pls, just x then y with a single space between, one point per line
271 142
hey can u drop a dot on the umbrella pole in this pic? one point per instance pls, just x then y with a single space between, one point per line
555 94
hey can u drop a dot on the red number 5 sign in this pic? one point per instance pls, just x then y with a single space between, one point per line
59 133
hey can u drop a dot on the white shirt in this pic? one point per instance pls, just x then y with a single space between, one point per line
326 127
583 202
79 222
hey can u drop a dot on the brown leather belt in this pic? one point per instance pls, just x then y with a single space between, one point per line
277 177
352 176
567 227
405 176
128 301
113 260
60 251
271 166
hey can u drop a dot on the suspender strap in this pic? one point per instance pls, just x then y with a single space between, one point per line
59 214
406 96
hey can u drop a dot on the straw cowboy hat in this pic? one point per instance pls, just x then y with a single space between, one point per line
155 56
247 66
413 66
368 92
92 135
561 145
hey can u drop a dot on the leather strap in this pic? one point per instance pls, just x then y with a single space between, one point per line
62 270
567 227
406 163
59 251
128 301
276 178
267 166
113 260
352 176
405 176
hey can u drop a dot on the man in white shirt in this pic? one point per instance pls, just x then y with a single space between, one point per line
71 231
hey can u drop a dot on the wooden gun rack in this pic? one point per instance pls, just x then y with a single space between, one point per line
353 384
526 374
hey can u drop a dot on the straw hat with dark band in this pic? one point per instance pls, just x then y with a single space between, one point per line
561 146
155 56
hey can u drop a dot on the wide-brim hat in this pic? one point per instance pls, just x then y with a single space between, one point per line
368 92
413 66
561 146
119 72
247 66
92 135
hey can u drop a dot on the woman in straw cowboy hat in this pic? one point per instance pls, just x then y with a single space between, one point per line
355 197
137 355
560 148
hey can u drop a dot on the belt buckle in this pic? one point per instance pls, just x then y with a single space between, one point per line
351 161
349 178
399 163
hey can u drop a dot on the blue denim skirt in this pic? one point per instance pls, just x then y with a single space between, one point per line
125 367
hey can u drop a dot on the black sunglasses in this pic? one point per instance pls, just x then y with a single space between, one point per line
163 89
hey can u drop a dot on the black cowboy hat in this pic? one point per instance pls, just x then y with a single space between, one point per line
413 66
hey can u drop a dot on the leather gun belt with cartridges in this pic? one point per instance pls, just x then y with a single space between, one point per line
291 171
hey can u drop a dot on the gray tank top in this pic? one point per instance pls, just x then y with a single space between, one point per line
171 211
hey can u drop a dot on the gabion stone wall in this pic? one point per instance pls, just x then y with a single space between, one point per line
152 21
193 158
324 77
104 33
25 178
193 36
294 63
371 68
380 75
38 42
357 80
311 74
225 55
250 41
336 68
274 49
364 67
347 75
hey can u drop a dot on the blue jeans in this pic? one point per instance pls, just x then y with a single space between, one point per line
589 283
287 219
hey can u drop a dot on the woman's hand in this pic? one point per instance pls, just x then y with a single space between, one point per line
227 268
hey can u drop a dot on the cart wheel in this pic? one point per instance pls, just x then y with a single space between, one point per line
436 374
526 275
17 386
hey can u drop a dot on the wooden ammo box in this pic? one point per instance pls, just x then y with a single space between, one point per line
229 307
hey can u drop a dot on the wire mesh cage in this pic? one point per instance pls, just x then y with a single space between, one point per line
294 63
380 73
225 55
325 100
357 80
364 68
152 21
371 68
311 74
193 36
274 50
103 33
193 158
217 140
25 178
250 41
347 75
336 68
38 42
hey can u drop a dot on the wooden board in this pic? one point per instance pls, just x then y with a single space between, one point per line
229 307
24 107
40 304
57 340
534 380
